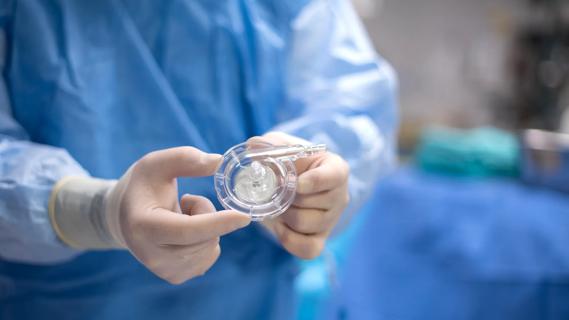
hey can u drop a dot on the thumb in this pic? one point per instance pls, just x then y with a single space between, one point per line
180 162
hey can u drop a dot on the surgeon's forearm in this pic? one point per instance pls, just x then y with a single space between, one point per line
77 212
342 93
30 172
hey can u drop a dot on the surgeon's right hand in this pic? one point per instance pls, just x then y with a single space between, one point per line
141 212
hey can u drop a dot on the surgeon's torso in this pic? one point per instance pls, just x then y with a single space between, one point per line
112 80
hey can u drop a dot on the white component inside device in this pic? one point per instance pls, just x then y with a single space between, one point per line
255 183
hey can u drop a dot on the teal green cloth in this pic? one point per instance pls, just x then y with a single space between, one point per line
478 152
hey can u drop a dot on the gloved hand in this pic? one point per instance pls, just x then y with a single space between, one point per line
322 195
141 213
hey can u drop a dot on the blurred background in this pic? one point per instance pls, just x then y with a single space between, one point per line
475 63
474 224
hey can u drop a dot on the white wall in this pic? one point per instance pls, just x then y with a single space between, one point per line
449 54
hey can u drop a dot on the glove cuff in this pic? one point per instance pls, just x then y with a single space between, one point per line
77 212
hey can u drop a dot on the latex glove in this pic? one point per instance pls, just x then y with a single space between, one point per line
142 213
322 195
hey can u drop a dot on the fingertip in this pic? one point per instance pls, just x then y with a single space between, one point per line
305 185
254 139
211 160
196 205
215 157
240 219
185 203
258 142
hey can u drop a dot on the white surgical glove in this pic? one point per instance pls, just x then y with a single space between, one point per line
321 197
141 213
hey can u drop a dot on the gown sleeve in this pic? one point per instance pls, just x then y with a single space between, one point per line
340 92
28 172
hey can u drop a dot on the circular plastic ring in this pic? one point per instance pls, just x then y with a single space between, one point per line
263 187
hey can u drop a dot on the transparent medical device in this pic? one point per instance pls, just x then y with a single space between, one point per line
259 179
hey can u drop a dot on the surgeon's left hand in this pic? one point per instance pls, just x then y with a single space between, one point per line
322 195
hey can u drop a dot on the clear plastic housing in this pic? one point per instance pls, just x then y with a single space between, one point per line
252 181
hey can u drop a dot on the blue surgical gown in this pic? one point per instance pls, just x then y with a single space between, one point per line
88 87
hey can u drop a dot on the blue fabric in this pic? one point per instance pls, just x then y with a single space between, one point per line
444 248
88 87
